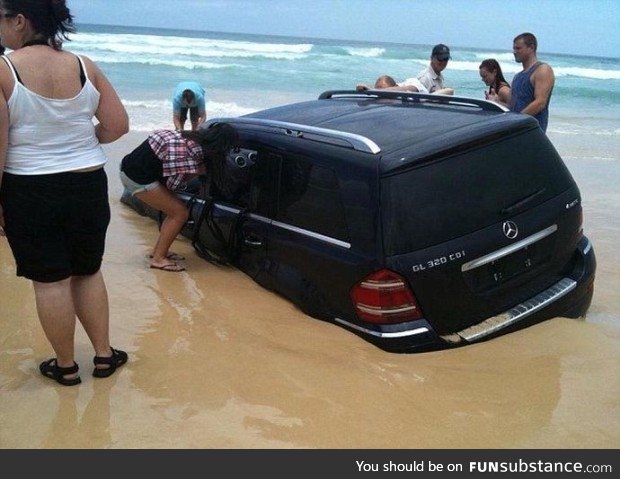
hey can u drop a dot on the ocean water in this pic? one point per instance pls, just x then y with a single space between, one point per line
243 73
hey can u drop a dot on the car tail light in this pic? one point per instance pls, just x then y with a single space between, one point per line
384 298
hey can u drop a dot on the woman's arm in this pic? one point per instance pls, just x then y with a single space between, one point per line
5 83
112 116
4 141
504 94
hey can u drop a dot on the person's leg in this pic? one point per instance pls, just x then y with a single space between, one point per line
90 300
57 316
87 201
34 216
176 213
183 117
193 117
176 121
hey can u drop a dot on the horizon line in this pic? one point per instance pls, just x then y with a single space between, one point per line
579 55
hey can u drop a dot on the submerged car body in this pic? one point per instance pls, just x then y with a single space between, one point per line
415 221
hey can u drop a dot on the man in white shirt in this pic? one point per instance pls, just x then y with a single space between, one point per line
431 77
386 82
413 84
429 80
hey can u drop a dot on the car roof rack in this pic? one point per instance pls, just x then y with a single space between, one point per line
412 97
323 135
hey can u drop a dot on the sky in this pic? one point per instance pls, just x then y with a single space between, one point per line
579 27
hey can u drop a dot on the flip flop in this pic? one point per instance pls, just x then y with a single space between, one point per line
173 267
171 257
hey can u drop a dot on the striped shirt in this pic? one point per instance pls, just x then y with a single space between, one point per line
179 156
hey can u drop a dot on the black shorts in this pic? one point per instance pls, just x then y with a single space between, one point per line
193 114
56 224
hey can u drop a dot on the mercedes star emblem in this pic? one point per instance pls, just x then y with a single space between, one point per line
510 229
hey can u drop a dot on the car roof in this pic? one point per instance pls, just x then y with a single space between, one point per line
405 127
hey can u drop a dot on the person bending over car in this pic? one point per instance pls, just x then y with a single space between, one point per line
386 82
188 96
163 162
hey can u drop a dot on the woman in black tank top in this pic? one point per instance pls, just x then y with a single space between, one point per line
491 74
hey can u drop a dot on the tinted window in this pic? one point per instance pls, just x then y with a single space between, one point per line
261 199
251 186
465 192
310 198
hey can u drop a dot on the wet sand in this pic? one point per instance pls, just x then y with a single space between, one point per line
216 361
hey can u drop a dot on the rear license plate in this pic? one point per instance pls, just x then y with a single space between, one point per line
512 265
504 269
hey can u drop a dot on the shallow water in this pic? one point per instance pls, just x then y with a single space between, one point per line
216 361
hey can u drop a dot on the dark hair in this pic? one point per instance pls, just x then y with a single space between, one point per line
188 95
492 65
217 140
50 19
529 39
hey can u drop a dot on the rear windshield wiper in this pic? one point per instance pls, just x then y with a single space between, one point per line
522 202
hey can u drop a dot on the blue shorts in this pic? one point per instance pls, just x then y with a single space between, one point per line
56 224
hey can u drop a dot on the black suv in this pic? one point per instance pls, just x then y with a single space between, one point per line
416 221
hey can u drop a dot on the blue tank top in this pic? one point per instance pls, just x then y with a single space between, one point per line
522 94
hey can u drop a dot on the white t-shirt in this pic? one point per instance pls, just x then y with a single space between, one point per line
431 80
416 83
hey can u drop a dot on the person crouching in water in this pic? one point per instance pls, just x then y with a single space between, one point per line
163 162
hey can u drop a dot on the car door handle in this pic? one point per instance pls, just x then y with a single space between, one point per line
253 242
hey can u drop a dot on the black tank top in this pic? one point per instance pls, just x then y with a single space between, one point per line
142 165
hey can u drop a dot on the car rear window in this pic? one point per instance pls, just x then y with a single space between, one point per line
449 197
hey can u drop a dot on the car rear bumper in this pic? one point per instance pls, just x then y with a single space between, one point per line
569 297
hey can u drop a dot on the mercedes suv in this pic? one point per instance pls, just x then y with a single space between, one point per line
415 221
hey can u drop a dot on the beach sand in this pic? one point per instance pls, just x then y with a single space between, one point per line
216 361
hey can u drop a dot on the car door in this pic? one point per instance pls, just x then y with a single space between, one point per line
254 219
231 224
